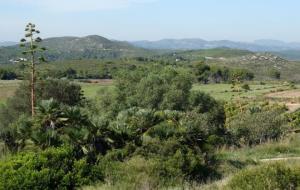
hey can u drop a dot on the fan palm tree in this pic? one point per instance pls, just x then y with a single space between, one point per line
49 118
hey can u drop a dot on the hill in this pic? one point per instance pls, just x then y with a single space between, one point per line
260 63
293 55
5 44
66 48
287 50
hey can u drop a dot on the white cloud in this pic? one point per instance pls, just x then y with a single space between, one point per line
82 5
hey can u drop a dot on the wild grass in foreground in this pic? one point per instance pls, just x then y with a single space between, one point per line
288 147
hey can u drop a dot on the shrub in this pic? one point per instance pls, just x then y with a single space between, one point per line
275 74
273 176
135 173
246 87
15 134
7 75
294 119
257 126
50 169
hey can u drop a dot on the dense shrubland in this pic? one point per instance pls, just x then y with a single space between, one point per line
150 131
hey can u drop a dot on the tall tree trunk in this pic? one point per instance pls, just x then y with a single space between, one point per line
32 88
32 83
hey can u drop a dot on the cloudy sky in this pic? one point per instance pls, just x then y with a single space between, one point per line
240 20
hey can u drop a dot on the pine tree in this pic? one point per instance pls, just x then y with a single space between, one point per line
33 51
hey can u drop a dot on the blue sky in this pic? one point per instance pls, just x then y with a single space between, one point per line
239 20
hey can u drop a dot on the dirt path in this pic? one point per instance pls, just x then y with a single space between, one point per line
289 94
291 98
293 106
279 159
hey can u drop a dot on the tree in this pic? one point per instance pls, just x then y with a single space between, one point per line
31 48
275 74
203 72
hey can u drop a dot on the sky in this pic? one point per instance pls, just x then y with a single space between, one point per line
131 20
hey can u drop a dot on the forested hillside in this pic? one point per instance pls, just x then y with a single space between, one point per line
66 48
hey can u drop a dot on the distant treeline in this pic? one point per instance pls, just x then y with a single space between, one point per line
7 74
214 74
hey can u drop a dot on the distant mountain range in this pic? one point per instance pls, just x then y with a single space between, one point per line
5 44
169 44
97 47
289 51
195 44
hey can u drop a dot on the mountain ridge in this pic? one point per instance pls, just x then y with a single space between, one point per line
98 47
198 43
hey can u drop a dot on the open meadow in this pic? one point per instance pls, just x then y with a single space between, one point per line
275 91
7 89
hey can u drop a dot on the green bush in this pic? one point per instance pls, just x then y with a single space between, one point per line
256 126
274 73
7 74
135 173
154 171
50 169
294 119
246 87
273 176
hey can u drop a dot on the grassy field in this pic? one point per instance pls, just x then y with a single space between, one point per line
90 89
287 147
7 89
218 91
224 91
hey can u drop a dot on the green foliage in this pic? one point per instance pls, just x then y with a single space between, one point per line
62 91
174 129
55 125
246 87
294 119
217 74
273 176
256 125
202 73
15 135
275 74
6 74
163 88
49 169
